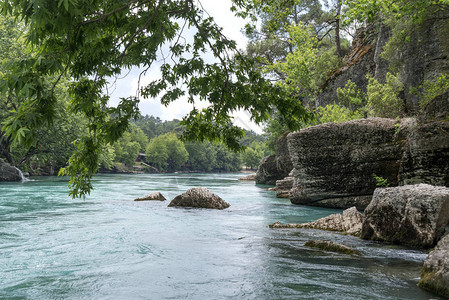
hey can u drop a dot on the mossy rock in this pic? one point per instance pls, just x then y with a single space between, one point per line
332 247
433 282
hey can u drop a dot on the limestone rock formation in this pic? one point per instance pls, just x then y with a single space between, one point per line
8 172
359 62
199 197
426 155
152 196
275 167
284 186
350 222
284 163
435 272
334 163
267 173
414 215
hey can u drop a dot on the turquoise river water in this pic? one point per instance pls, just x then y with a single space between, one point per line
110 247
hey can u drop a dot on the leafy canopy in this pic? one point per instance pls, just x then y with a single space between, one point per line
93 41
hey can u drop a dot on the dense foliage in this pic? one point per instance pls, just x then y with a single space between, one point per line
93 41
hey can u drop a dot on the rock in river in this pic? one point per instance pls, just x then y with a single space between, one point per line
250 177
8 172
199 197
414 215
334 163
350 222
152 196
435 272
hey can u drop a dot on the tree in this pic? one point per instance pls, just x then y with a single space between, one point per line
253 155
53 143
227 161
202 156
126 149
92 41
167 153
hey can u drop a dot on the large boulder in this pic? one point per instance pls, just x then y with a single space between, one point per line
414 215
435 272
334 164
151 197
8 172
199 197
350 222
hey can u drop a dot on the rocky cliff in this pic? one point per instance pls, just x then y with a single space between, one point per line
424 57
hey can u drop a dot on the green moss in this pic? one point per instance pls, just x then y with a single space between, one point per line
433 283
332 247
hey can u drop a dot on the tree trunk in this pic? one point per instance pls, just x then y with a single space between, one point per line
337 30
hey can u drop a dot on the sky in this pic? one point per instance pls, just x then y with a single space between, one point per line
128 85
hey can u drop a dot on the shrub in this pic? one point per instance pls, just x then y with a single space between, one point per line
383 99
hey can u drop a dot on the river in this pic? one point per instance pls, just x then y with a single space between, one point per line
109 247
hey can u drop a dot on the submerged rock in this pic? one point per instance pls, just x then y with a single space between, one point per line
414 215
350 222
250 177
199 197
152 196
8 172
331 246
435 272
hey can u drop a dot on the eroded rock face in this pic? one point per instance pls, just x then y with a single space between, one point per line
284 163
267 173
426 155
350 222
151 197
334 163
199 197
435 272
414 215
8 172
359 62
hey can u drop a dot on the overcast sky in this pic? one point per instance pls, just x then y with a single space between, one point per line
129 85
